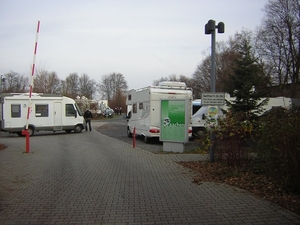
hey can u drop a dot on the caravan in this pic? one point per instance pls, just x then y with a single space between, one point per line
200 118
144 111
48 113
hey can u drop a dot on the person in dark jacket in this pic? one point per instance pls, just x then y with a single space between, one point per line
88 117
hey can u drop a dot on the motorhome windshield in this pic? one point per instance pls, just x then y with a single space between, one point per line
78 110
202 110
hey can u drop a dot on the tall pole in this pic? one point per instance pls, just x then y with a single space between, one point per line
210 28
213 61
213 89
26 132
32 73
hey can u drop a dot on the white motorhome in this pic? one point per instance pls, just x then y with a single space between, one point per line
199 119
144 106
48 113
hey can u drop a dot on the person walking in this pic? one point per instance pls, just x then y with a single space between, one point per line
88 117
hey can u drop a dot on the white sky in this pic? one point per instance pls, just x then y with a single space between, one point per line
143 40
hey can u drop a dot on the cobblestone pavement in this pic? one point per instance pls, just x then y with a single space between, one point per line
90 178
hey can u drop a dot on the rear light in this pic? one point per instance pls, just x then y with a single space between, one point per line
154 130
190 131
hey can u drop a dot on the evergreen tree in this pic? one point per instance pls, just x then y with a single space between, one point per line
248 82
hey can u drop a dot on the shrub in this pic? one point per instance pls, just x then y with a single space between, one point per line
279 146
231 135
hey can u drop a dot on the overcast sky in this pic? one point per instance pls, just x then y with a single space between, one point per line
143 40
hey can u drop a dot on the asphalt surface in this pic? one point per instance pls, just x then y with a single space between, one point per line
92 178
116 128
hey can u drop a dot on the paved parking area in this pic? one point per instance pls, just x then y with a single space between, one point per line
90 178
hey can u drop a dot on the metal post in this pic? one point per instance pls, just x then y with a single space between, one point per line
213 89
210 28
213 61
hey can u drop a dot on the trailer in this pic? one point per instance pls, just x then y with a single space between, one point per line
144 110
48 113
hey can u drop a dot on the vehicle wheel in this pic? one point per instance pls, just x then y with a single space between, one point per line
129 134
31 131
78 129
147 139
199 133
68 131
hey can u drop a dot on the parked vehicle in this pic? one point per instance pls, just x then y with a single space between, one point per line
48 113
200 118
143 107
196 105
108 112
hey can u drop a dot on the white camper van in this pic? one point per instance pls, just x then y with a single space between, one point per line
144 106
199 119
48 113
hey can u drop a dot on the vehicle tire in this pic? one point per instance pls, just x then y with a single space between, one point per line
129 134
31 131
199 133
78 129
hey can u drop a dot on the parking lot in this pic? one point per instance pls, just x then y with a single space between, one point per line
116 128
93 178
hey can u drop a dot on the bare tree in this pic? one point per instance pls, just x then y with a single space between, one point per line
45 82
278 40
87 86
72 86
113 85
174 77
105 87
201 78
15 83
226 55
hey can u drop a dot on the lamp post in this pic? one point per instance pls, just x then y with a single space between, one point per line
210 28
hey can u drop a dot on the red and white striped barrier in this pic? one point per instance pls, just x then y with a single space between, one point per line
25 132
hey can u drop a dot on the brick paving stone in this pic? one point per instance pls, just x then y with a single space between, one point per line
90 178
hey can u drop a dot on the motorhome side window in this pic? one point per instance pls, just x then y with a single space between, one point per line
41 110
70 111
134 108
140 105
15 111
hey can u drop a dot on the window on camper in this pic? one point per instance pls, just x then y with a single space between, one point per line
134 108
41 110
140 105
15 111
70 111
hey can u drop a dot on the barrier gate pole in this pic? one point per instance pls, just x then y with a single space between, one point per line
133 138
26 132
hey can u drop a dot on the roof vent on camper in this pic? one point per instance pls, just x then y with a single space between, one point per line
172 84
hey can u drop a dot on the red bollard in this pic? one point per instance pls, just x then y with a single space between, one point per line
26 133
133 138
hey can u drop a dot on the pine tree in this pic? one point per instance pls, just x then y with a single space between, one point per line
246 80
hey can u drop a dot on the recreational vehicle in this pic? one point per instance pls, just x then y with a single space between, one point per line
200 118
48 113
145 109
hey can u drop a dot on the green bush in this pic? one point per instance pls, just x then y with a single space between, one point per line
279 146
